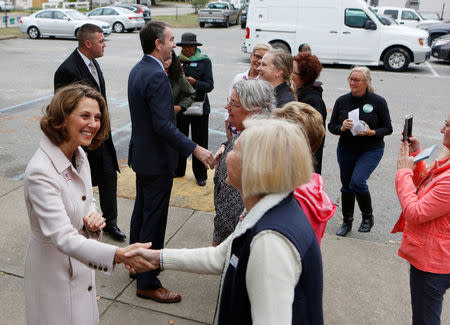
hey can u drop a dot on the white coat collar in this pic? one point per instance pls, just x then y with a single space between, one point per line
58 158
260 208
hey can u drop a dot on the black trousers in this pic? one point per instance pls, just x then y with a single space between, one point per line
199 131
107 189
427 295
149 219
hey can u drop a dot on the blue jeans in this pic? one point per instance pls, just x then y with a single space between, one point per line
356 168
427 295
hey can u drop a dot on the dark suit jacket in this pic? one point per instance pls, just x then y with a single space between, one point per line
155 140
73 69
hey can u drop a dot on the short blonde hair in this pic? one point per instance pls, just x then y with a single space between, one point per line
366 75
264 46
275 157
307 118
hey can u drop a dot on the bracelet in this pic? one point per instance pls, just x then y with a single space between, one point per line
161 264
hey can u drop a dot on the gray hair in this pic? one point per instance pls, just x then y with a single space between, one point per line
366 75
256 95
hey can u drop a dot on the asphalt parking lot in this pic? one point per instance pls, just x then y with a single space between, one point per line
26 86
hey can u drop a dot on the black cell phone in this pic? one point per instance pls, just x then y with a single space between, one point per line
407 129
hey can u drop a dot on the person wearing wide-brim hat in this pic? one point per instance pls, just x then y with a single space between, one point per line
198 71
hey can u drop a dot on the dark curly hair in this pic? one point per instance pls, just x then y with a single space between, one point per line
66 99
309 67
175 70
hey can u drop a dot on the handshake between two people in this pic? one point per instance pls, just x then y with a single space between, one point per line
138 258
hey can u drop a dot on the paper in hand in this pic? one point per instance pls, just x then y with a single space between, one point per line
424 154
358 126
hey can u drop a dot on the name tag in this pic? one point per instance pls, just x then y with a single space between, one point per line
234 260
193 64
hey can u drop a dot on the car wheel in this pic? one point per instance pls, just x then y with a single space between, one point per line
396 59
227 22
202 25
33 32
280 45
118 27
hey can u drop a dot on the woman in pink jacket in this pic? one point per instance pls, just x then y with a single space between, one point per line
424 195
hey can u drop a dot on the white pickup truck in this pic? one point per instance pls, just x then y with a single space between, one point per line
223 13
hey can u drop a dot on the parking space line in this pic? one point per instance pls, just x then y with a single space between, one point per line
431 69
18 106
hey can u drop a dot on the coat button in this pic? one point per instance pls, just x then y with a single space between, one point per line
90 288
105 269
83 197
90 264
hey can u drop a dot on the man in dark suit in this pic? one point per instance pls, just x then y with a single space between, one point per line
81 66
154 148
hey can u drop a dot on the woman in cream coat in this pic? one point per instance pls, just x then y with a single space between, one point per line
65 225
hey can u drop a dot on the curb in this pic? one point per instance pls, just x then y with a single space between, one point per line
4 38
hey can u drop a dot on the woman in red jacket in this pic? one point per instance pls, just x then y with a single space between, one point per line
424 195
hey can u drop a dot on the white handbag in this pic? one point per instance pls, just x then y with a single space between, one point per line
196 109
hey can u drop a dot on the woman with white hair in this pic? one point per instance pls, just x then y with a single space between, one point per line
248 98
271 265
359 151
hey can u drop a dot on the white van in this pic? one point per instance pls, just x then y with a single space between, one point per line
404 16
339 32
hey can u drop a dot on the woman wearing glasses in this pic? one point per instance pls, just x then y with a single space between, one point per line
248 98
359 151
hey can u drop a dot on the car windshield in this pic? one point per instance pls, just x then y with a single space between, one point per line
218 6
379 19
75 15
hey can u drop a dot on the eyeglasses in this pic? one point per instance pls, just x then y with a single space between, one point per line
259 57
354 80
232 102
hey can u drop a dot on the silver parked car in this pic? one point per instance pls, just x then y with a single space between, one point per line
223 13
119 18
58 23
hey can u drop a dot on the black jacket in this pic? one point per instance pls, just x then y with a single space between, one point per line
155 140
373 110
283 94
73 69
201 71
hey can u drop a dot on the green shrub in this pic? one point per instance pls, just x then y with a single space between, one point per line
197 4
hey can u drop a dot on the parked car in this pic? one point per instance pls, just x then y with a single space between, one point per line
430 15
6 6
223 13
119 18
58 23
387 20
142 10
404 16
436 29
348 32
244 17
440 48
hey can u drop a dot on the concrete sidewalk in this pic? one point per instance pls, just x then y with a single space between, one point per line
364 282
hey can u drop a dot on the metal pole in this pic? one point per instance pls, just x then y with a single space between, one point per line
6 18
176 13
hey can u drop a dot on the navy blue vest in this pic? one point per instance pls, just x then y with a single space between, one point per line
288 219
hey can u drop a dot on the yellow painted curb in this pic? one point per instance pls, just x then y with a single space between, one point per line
185 191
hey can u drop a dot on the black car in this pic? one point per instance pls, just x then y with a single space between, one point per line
440 48
436 29
138 9
244 17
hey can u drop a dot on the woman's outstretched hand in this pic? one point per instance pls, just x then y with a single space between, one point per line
134 263
150 255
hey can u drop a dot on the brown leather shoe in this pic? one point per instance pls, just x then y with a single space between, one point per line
162 295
